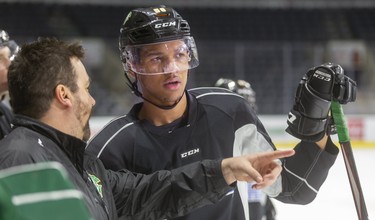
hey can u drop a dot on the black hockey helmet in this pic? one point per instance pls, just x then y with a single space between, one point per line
240 87
146 27
151 25
6 42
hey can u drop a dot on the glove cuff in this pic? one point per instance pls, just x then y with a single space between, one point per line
308 129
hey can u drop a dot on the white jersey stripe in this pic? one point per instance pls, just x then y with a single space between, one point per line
46 196
302 179
113 136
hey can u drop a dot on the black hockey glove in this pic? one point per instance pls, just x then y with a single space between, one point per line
309 118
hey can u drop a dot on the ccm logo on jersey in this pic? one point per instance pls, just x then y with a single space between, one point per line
165 24
190 152
322 75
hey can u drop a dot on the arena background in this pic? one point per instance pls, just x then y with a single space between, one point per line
270 43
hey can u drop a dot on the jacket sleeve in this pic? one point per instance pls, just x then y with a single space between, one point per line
167 194
305 172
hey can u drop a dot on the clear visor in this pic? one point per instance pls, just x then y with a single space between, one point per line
161 58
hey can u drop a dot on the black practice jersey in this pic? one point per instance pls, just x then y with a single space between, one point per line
217 124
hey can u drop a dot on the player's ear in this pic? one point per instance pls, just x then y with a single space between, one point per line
63 95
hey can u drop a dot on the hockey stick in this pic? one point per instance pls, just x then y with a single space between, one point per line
346 148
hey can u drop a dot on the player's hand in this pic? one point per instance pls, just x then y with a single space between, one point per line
344 89
329 83
309 118
263 168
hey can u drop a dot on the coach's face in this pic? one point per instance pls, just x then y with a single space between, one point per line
83 101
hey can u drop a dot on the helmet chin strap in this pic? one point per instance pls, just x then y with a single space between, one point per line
164 107
134 87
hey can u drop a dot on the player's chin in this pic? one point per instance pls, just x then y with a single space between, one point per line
178 94
172 99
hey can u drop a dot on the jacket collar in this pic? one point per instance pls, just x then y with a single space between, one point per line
73 147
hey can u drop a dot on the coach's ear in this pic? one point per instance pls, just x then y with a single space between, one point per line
63 95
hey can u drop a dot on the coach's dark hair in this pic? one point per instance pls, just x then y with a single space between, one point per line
37 70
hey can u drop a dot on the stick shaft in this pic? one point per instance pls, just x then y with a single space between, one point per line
347 152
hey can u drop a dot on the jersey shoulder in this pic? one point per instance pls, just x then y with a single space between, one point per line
217 97
110 130
215 94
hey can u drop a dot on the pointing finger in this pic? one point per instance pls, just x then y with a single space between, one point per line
278 154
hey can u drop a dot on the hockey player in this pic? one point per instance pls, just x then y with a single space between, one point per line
8 50
260 205
174 126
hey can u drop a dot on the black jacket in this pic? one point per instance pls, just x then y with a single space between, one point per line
6 117
159 195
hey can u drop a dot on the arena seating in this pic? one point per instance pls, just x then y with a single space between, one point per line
270 47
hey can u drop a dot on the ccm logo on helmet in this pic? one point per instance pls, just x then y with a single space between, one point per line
165 24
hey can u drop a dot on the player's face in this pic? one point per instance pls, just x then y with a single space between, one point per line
164 89
83 101
169 58
164 58
4 64
161 57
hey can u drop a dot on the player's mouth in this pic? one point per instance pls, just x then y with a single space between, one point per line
173 84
